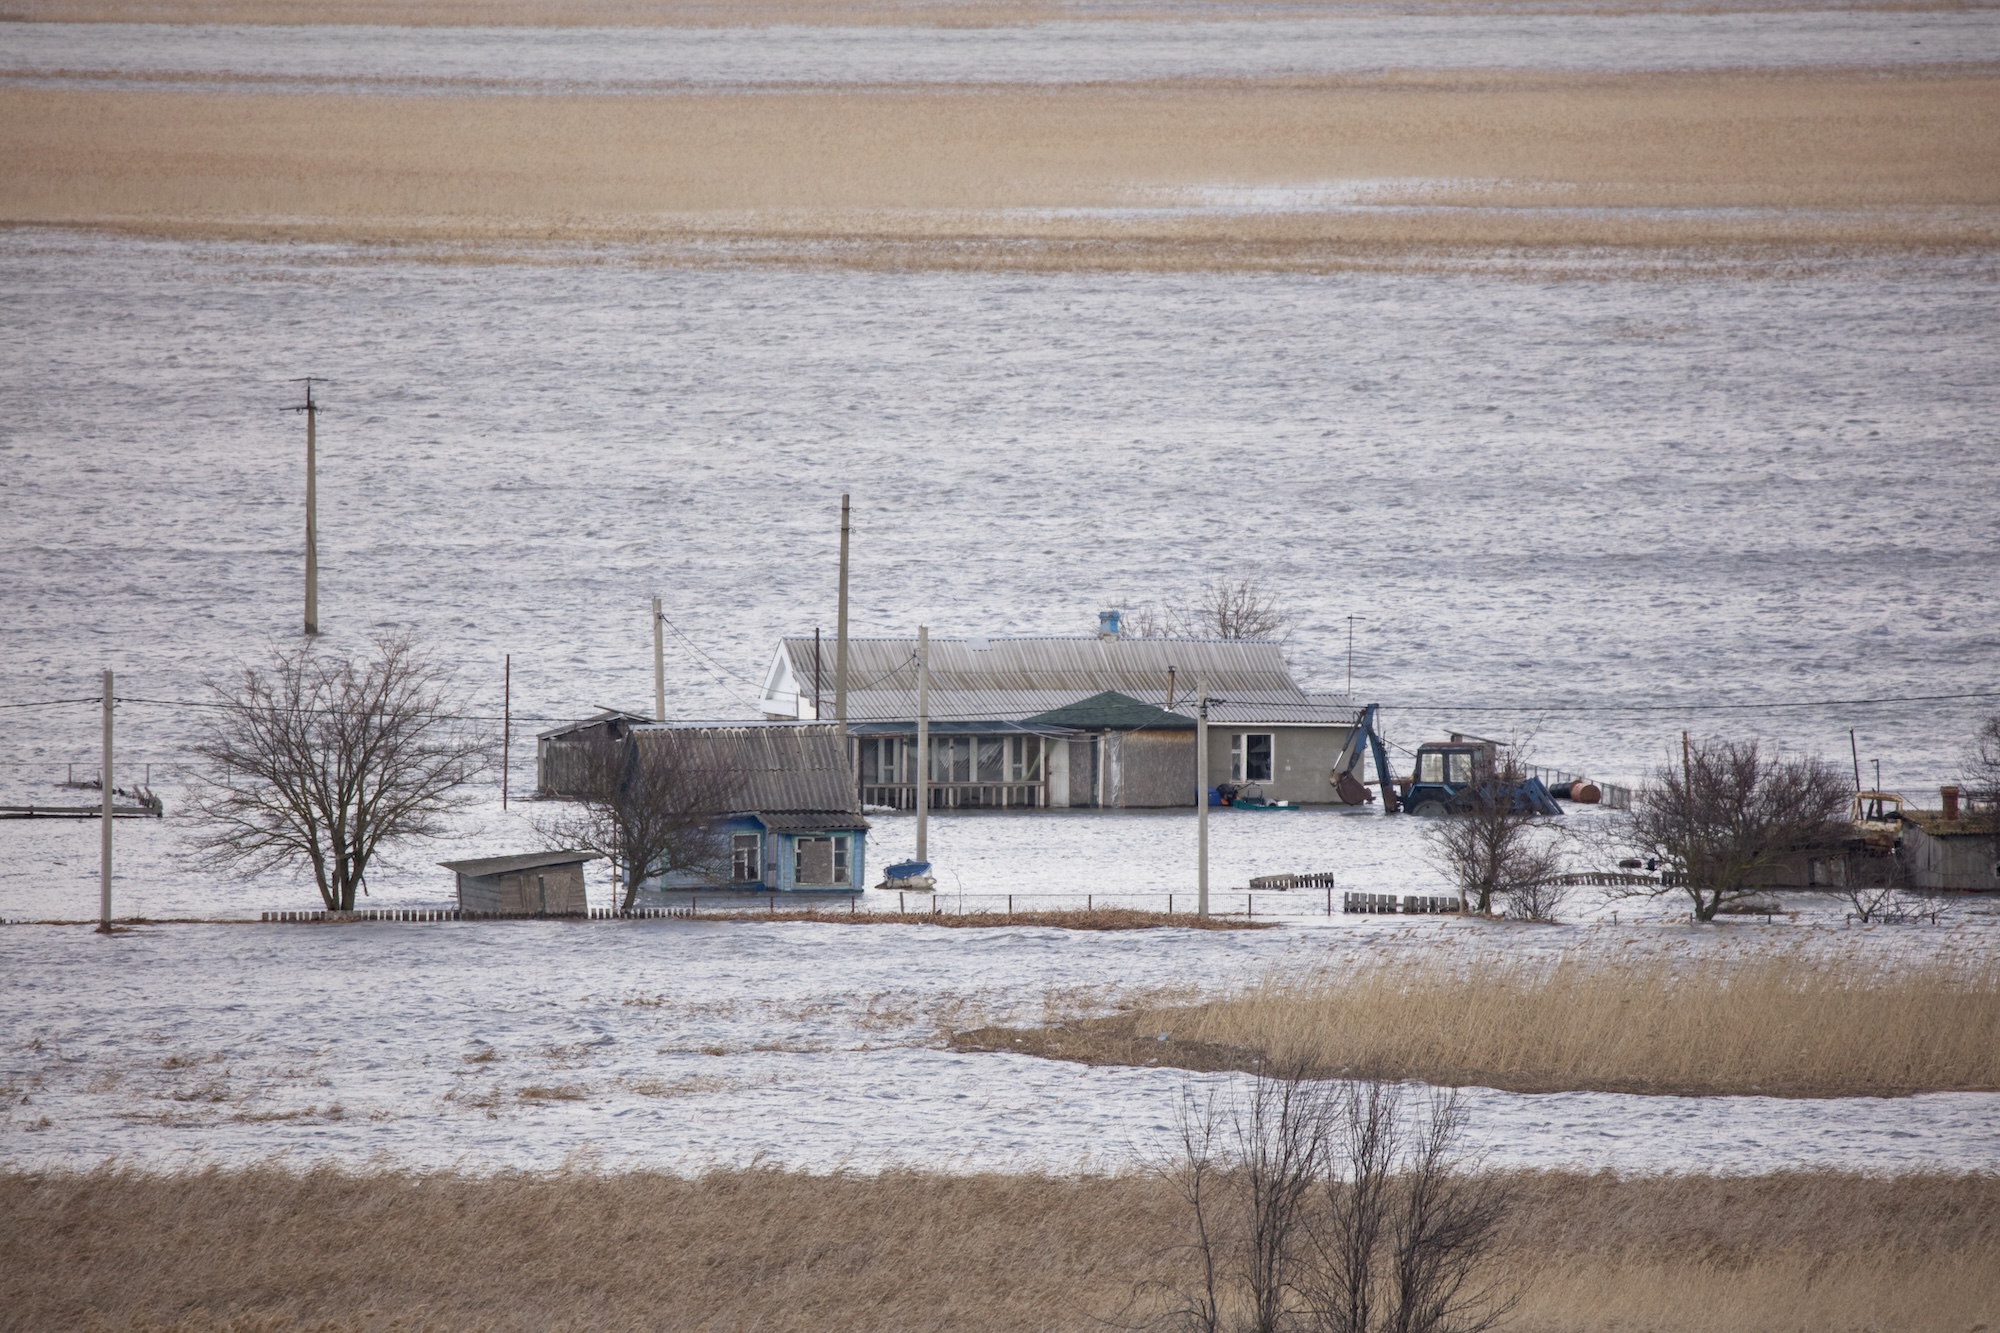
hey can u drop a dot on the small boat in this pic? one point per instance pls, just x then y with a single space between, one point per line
908 877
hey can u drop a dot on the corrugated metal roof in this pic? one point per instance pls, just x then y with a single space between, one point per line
1079 667
810 821
782 765
1016 679
1112 711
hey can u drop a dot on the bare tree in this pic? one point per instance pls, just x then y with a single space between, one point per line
1728 816
1496 844
1329 1207
1242 608
317 762
652 803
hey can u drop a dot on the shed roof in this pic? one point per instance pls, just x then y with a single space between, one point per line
502 865
1112 711
810 821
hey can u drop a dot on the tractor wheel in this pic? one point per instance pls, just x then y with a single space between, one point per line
1431 810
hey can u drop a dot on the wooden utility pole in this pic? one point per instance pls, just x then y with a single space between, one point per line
659 664
104 847
506 723
923 741
1201 803
816 674
1350 653
840 631
311 409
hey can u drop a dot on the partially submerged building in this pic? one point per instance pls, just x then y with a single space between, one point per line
1063 723
783 792
1952 847
531 884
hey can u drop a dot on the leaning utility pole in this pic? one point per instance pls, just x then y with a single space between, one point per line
311 409
923 741
659 664
104 849
1201 803
506 722
840 631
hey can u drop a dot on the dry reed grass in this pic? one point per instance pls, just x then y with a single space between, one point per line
1786 1026
1049 178
265 1250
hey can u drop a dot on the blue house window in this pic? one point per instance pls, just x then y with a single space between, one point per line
821 859
745 865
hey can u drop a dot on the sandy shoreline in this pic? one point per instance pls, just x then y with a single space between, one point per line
1285 175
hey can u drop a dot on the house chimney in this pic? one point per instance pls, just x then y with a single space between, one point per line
1950 795
1107 624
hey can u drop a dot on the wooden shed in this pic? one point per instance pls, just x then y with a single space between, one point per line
532 884
1951 849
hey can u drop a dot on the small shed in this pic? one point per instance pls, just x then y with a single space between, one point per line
1951 849
532 884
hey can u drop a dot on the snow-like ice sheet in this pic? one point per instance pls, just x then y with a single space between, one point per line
675 1045
635 59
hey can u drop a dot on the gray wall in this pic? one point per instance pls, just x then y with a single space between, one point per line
524 892
1302 760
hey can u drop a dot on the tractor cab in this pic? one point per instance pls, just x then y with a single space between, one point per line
1446 771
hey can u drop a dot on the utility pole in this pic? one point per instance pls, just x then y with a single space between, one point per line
659 664
840 631
816 674
1855 749
104 848
923 741
1201 803
311 409
506 723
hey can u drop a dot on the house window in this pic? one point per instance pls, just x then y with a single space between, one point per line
745 864
992 758
951 759
1250 757
882 761
821 859
1024 759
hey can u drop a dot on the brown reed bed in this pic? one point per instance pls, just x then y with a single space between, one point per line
1480 166
271 1251
1790 1026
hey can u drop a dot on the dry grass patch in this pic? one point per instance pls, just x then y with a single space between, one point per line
276 1252
1787 1026
1045 177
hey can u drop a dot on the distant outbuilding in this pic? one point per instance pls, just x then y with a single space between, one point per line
532 884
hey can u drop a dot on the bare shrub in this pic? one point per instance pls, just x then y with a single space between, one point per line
1539 900
317 762
1497 845
652 803
1726 817
1335 1208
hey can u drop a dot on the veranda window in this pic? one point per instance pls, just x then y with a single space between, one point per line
821 859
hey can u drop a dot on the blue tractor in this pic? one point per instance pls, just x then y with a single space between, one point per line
1452 777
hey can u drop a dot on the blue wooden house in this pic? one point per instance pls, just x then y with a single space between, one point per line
795 815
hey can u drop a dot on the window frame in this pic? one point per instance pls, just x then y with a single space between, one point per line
1239 756
739 843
